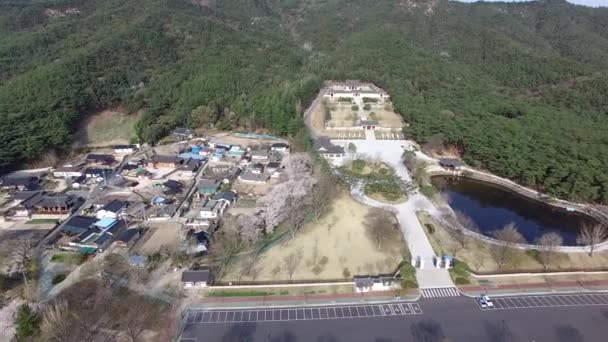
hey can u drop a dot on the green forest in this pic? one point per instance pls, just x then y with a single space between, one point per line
520 88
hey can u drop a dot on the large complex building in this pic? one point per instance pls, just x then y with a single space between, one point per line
355 90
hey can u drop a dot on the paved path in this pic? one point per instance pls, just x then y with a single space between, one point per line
390 152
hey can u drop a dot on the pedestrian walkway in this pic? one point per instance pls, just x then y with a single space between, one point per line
390 152
440 292
546 287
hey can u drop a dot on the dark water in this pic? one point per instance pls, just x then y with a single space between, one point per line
492 207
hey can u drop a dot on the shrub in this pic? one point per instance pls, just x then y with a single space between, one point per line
370 99
367 106
461 281
317 269
430 228
27 323
354 107
460 272
534 254
408 276
358 165
346 272
428 190
324 260
345 99
69 258
58 279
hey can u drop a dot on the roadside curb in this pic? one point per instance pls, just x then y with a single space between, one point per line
409 299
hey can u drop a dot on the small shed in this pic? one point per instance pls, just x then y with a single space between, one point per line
197 278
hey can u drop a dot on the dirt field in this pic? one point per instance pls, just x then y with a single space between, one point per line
477 254
109 127
339 237
227 138
162 234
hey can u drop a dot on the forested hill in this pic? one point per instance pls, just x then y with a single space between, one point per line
520 88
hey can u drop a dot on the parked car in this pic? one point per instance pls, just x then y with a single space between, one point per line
485 302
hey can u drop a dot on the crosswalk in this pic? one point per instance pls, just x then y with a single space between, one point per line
440 292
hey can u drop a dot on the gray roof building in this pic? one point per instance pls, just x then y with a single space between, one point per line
324 146
197 276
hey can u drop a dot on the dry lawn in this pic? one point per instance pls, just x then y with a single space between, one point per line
110 127
339 237
162 235
477 254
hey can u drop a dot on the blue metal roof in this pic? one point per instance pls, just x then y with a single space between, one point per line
106 223
189 155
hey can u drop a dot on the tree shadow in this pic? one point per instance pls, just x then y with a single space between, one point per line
498 331
284 337
240 333
328 338
428 330
568 333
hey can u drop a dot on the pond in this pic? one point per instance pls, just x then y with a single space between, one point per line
492 207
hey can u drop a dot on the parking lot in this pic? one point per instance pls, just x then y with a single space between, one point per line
546 301
301 314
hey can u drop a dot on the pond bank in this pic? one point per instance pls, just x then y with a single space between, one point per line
529 194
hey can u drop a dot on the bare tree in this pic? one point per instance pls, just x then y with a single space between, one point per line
55 324
460 236
466 221
549 243
115 267
323 192
21 255
591 235
136 316
291 263
227 243
508 236
380 225
248 266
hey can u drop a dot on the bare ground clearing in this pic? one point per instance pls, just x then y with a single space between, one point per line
162 234
109 127
339 237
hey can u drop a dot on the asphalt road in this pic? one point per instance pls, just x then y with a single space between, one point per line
443 319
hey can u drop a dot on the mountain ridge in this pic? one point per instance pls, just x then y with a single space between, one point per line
526 82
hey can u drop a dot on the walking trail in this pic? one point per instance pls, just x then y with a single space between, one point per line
390 152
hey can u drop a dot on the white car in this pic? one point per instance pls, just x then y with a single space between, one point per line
486 302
